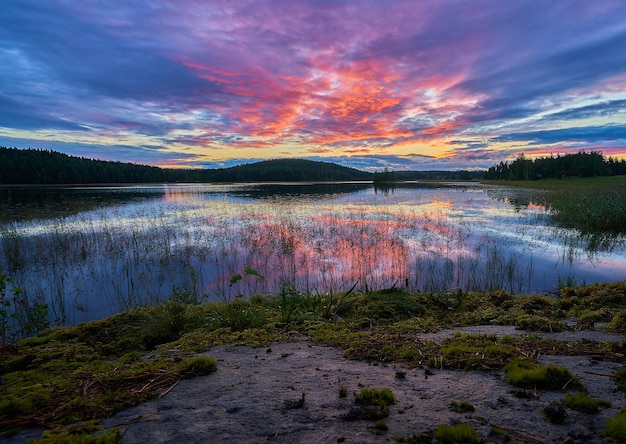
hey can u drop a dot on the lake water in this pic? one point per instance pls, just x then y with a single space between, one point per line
91 252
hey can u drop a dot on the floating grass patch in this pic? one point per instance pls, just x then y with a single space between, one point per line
525 374
456 434
581 402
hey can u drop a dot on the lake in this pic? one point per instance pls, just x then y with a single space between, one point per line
94 251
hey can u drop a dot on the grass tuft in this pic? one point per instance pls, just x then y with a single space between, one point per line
456 434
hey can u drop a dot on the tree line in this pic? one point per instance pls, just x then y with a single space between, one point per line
45 167
581 164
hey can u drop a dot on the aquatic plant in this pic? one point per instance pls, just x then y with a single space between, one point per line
19 316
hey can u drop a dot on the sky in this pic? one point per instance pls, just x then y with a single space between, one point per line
370 84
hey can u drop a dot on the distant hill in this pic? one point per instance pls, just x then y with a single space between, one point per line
287 170
45 167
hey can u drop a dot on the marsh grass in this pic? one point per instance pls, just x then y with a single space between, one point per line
596 206
90 265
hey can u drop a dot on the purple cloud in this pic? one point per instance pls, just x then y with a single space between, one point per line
429 84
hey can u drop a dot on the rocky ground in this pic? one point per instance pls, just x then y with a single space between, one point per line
256 396
290 392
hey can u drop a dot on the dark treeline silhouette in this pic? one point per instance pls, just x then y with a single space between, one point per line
440 175
44 167
581 164
385 176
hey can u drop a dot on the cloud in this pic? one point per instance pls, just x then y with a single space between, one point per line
349 78
590 134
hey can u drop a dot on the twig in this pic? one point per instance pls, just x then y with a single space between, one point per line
169 389
567 383
522 433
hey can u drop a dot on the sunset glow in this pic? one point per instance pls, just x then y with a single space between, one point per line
368 84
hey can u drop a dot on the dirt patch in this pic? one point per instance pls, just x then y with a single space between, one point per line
256 396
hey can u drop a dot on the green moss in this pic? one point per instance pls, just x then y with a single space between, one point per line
583 403
616 427
89 432
475 351
524 374
456 434
618 323
200 365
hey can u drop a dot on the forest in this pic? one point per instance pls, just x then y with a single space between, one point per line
581 164
44 167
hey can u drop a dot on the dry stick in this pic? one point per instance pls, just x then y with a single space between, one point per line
169 389
567 383
522 433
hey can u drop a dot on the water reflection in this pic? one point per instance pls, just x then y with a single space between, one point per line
146 242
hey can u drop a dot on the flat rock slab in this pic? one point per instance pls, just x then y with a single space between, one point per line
256 397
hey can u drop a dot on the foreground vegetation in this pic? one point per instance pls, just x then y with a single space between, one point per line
65 376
